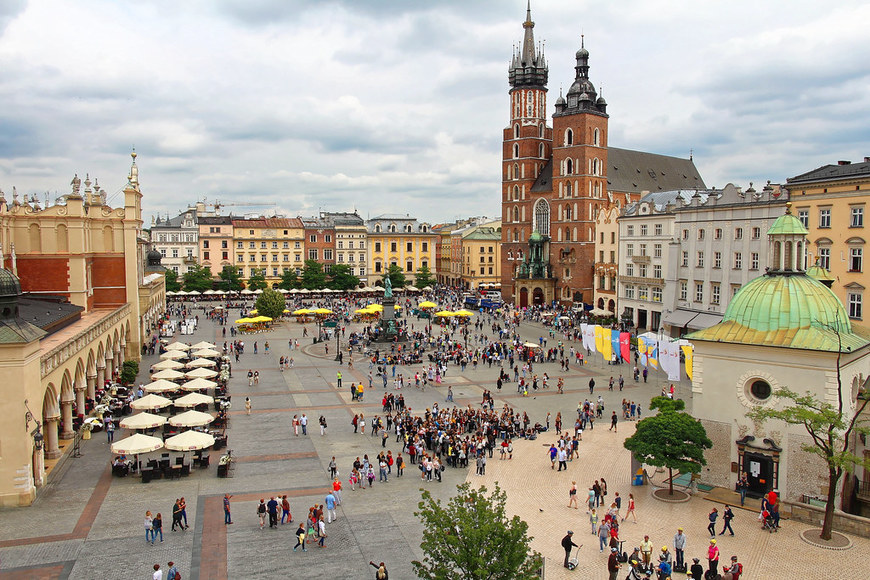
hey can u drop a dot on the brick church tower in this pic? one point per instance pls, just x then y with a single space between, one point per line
525 150
553 181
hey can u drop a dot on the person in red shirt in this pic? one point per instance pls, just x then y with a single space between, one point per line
713 558
733 571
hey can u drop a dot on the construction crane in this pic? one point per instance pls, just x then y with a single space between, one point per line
218 204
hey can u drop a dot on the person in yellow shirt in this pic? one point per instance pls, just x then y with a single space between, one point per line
646 548
360 392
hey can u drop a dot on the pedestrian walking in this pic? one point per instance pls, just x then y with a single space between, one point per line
149 527
742 487
572 495
630 509
330 507
248 405
158 573
227 516
261 513
110 430
322 422
593 519
285 511
300 538
303 422
172 572
157 526
273 512
712 516
613 420
727 516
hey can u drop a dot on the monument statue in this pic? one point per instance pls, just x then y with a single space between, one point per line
388 287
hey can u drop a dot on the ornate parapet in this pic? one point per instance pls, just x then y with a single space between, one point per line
61 353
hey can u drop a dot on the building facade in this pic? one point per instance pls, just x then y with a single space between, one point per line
556 180
719 245
481 256
351 242
216 243
81 314
319 241
831 202
400 240
270 245
606 268
177 239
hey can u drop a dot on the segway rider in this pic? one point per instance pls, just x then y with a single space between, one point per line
696 572
666 555
568 544
713 559
613 563
733 571
680 547
664 568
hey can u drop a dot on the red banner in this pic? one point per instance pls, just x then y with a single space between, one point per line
625 346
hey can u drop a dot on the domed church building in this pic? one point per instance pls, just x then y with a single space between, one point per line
783 329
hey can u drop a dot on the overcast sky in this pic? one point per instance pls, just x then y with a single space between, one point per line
399 105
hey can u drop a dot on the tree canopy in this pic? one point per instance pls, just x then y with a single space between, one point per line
289 280
671 438
424 277
270 303
342 277
197 278
397 276
172 283
313 276
231 280
257 281
472 537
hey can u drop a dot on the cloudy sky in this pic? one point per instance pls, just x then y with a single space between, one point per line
399 105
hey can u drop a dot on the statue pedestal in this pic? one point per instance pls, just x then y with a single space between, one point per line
388 325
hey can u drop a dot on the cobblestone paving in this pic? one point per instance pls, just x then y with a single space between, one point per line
74 531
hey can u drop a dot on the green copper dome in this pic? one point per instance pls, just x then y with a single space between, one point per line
787 224
794 311
820 274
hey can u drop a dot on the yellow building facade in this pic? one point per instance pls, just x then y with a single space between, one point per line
831 202
271 245
402 241
480 262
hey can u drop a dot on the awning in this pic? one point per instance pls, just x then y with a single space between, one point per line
679 317
705 320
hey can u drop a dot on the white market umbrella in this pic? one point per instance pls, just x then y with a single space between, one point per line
167 364
142 421
202 344
170 293
198 385
173 354
168 375
160 386
208 292
206 353
191 419
177 345
150 402
193 399
201 373
136 445
189 441
246 292
201 362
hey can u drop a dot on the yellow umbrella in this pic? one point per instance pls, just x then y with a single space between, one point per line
427 304
322 311
254 311
397 307
375 307
362 311
444 313
286 311
245 321
463 313
262 319
301 311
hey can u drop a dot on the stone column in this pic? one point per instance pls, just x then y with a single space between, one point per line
91 386
67 420
117 360
80 398
101 376
49 430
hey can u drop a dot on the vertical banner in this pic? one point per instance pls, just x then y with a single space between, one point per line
598 339
641 348
583 326
614 343
673 356
625 346
689 353
653 353
606 345
589 338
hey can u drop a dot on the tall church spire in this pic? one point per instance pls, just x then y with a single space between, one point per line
528 67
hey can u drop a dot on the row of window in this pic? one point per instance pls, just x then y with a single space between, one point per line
642 270
409 266
264 257
754 260
856 217
653 294
717 233
471 272
644 230
224 244
629 250
176 238
392 228
715 291
276 272
263 245
409 246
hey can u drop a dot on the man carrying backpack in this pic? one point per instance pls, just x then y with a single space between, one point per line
734 571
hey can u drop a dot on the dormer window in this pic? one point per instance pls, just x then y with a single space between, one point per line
378 228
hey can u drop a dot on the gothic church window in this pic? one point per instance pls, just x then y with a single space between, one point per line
569 137
542 217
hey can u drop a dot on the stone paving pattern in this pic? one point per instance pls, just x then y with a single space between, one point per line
86 524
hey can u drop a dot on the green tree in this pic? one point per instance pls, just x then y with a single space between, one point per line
472 537
289 280
197 278
830 429
671 438
270 303
342 278
231 280
129 370
424 277
257 281
172 283
397 277
313 276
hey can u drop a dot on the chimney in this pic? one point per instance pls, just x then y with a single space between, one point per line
844 162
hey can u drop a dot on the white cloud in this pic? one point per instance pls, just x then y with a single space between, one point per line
398 106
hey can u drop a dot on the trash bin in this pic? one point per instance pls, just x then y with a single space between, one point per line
638 480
